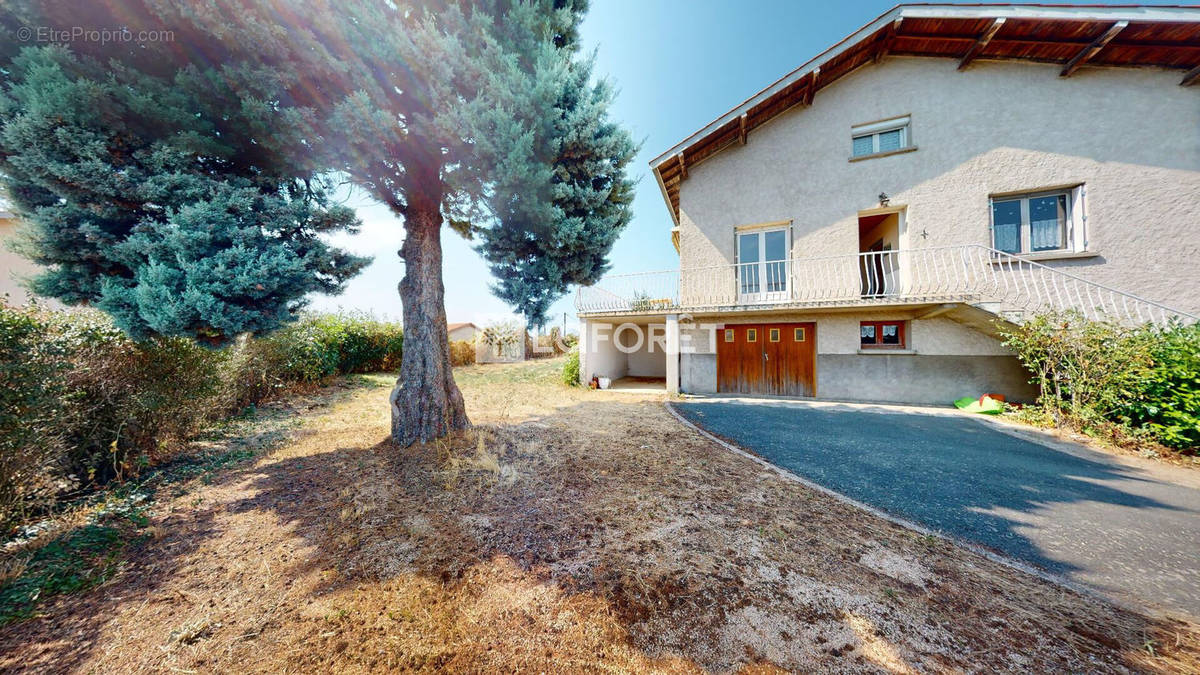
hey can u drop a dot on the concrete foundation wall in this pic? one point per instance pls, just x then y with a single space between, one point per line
916 378
698 373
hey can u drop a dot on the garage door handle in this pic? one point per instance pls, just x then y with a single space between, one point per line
766 357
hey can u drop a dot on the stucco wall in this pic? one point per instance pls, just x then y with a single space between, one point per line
648 360
1132 136
837 332
463 333
600 355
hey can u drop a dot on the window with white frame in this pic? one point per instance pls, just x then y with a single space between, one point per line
1038 222
880 137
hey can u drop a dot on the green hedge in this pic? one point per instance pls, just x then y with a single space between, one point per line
83 404
319 346
1141 381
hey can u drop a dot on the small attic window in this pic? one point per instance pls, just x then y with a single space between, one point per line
879 138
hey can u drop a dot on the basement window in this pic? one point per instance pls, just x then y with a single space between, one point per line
882 335
880 138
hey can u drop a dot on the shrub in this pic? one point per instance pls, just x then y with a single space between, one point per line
570 371
462 352
1166 397
129 404
318 346
30 404
83 404
1143 380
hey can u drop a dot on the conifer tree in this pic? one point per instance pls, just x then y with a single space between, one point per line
449 113
536 256
157 200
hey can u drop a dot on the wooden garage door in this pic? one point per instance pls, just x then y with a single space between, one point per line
770 358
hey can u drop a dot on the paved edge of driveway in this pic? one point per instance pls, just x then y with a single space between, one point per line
917 527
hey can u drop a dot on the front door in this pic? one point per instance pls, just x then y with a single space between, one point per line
773 358
763 266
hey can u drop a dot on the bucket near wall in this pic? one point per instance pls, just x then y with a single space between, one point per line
605 382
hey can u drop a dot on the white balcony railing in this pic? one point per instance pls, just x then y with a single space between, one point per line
1006 284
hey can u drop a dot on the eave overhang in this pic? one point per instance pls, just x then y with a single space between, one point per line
1070 35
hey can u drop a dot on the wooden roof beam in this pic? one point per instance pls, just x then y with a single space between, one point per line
1192 77
981 43
885 44
743 122
1091 50
811 89
682 167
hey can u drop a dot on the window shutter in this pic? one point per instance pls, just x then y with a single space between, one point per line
1078 229
863 146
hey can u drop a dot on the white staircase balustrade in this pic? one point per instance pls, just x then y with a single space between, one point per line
1002 283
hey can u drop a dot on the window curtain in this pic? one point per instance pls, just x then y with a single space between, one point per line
1047 216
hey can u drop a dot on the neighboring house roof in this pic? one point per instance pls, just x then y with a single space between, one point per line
1071 35
455 326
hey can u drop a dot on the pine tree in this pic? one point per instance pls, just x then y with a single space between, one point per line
143 200
537 254
460 114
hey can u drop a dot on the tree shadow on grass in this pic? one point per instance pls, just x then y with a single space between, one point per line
65 632
699 555
602 536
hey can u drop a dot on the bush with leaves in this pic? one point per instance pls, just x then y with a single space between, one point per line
30 404
1165 400
319 346
570 372
462 352
129 404
1098 375
83 403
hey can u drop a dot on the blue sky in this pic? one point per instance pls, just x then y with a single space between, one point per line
678 65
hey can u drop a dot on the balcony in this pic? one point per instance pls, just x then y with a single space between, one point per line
1004 284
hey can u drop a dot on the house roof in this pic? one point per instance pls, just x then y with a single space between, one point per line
455 326
1070 35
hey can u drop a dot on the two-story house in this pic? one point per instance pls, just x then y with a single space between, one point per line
862 227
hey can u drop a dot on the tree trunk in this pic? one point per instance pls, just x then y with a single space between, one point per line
426 403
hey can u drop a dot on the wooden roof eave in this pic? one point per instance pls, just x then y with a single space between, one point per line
662 187
880 37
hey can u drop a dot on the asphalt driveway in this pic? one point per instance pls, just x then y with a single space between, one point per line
1129 529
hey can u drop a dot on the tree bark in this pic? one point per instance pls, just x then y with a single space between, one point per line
426 403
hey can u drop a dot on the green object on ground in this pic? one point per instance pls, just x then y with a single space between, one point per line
985 405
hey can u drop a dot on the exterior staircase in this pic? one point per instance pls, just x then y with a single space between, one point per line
972 284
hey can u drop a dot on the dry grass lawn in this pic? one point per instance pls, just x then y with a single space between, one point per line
571 531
